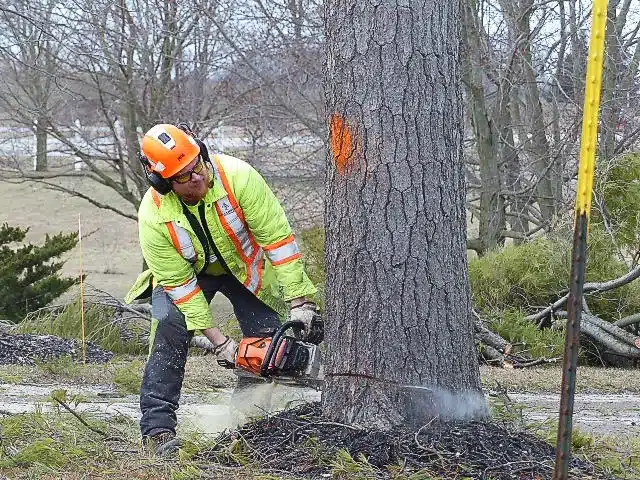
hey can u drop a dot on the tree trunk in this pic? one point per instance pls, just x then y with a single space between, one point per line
400 346
549 182
609 115
41 164
486 132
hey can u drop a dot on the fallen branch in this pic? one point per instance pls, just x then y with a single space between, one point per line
80 419
99 431
592 287
612 337
492 356
626 321
612 329
497 351
536 362
488 337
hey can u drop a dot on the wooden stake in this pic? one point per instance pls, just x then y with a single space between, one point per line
84 344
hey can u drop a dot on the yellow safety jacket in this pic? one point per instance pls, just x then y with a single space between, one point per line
249 228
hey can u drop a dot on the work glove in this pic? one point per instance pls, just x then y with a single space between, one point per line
226 353
308 314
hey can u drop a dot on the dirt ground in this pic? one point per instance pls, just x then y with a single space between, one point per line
607 400
111 257
208 405
111 254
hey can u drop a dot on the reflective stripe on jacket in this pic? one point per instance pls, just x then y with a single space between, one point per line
248 226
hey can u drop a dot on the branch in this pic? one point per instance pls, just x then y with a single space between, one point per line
497 351
601 331
82 420
486 336
536 362
626 321
521 235
617 332
75 193
588 287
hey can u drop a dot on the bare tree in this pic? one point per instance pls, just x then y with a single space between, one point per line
524 65
487 126
125 67
30 93
395 217
92 78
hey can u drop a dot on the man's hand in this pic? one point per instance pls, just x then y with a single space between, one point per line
303 311
226 353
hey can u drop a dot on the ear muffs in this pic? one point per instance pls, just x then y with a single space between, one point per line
204 151
154 179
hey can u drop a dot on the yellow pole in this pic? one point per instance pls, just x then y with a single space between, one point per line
586 171
84 343
590 115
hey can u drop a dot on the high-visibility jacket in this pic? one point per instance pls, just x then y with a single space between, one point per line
249 228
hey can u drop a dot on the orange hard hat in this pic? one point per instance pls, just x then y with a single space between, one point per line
169 149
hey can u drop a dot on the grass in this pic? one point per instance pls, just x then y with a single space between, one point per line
548 379
56 445
125 371
344 466
100 327
128 378
617 455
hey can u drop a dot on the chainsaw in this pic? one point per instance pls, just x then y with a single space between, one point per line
286 355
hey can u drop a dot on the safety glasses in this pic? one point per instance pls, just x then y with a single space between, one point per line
186 176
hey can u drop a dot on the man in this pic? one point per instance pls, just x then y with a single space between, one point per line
207 225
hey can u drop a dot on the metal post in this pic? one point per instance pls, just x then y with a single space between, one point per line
579 255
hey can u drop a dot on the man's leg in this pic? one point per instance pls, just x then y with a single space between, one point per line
254 316
164 372
210 285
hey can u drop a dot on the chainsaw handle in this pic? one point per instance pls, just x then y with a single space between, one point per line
275 344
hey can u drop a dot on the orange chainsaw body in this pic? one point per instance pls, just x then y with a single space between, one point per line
288 357
251 353
281 355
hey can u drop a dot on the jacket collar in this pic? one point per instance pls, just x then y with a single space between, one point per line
171 208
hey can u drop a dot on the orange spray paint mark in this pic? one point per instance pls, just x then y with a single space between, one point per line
343 145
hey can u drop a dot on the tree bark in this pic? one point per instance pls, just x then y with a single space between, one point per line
400 346
41 145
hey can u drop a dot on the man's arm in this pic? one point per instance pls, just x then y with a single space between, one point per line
268 223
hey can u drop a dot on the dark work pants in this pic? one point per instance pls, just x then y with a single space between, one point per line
164 372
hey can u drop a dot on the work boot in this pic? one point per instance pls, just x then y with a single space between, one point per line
164 444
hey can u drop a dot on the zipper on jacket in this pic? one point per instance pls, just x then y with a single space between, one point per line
205 226
197 228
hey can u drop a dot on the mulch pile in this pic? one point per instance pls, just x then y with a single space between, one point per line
26 349
302 444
